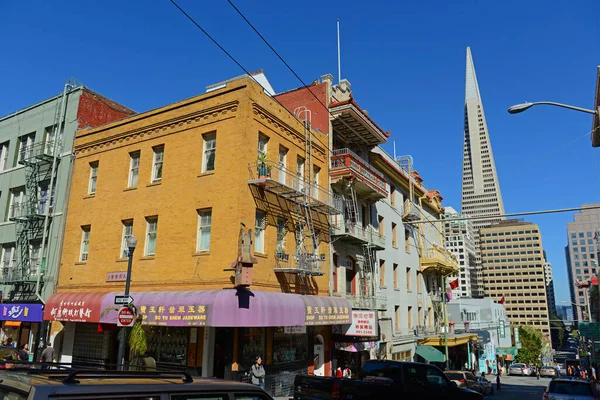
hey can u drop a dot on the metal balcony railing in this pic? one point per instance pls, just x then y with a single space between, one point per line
368 235
38 151
347 159
439 258
368 302
292 185
11 272
307 263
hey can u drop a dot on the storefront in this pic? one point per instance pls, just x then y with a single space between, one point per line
21 323
458 349
214 332
356 343
486 353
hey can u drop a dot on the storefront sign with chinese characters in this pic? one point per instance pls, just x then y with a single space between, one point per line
116 276
364 323
170 315
72 311
321 315
294 330
21 312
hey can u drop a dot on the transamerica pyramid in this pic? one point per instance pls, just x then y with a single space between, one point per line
480 188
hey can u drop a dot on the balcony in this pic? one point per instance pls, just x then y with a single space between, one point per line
12 273
304 264
359 235
422 331
376 302
38 152
292 186
438 259
369 182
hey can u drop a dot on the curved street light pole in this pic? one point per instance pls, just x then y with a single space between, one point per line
518 108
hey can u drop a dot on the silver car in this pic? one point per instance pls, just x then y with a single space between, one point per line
570 389
519 369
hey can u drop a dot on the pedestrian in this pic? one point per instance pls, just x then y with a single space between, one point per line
47 356
338 372
537 373
10 343
347 372
258 373
24 352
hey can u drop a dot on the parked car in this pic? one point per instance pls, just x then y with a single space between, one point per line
570 389
37 384
486 386
549 371
384 379
465 379
519 369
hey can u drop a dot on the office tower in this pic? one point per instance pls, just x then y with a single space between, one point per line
513 263
460 241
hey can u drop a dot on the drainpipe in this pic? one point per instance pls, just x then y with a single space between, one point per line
45 249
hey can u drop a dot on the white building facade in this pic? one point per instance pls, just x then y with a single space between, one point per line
460 241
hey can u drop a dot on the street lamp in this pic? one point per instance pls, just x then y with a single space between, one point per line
131 243
518 108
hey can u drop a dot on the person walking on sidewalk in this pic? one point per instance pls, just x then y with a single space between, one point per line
257 373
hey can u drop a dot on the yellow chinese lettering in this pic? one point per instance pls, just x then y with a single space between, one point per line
181 309
201 309
172 310
191 309
152 309
308 310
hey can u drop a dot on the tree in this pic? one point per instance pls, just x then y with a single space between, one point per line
136 335
557 331
532 342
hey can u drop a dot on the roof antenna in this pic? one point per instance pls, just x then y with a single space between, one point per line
339 60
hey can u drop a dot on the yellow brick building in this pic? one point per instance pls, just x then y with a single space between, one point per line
184 179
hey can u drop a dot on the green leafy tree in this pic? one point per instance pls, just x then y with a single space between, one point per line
532 342
557 331
136 335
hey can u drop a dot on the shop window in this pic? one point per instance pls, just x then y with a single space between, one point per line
289 347
253 345
167 344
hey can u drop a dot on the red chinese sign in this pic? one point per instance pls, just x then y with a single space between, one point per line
73 311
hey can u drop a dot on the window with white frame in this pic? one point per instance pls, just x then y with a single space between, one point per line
282 158
26 146
151 227
4 156
9 258
43 198
262 145
281 232
134 169
209 153
127 232
93 177
204 227
157 163
85 243
35 257
259 234
300 172
17 202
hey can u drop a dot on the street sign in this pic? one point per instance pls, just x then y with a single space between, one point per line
123 299
125 318
589 329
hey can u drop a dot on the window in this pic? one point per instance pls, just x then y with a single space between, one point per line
151 227
393 195
26 146
9 258
397 318
204 224
127 232
93 177
381 272
395 272
35 257
17 202
300 172
85 243
410 320
134 169
380 224
394 235
4 156
407 240
281 231
259 234
210 152
262 145
316 171
157 163
43 197
350 275
408 282
281 163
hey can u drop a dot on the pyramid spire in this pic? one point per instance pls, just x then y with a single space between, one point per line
471 86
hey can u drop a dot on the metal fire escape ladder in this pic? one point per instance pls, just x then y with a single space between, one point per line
31 216
351 205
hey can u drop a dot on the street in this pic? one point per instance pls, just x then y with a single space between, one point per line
525 387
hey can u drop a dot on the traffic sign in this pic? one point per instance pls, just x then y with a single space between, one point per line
123 299
589 329
125 318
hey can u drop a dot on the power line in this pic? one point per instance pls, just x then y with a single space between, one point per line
559 210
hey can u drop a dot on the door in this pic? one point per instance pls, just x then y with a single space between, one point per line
223 351
319 354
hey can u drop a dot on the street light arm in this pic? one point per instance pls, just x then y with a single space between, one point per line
524 106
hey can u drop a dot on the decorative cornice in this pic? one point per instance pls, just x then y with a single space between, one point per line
278 125
192 120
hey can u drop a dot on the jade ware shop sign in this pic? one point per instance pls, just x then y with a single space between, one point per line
21 312
180 315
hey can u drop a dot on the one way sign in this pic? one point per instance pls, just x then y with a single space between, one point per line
123 299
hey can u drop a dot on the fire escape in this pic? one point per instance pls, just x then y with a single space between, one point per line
307 206
32 215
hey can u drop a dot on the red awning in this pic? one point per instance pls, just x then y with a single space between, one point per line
74 307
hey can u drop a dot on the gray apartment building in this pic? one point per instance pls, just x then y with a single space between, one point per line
460 240
581 255
35 164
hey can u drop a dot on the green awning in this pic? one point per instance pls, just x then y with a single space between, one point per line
430 353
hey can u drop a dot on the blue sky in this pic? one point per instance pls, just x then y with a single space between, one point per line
405 61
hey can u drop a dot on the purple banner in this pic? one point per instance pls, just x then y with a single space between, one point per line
21 312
